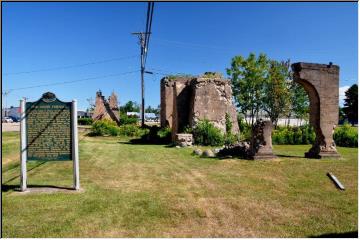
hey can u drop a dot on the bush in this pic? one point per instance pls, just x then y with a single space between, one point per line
346 136
164 133
104 128
245 130
154 135
293 135
85 121
107 127
124 119
131 130
205 133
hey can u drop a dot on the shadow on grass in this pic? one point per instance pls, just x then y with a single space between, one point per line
288 156
353 234
11 179
144 142
6 188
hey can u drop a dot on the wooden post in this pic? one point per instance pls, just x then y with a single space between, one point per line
75 148
23 149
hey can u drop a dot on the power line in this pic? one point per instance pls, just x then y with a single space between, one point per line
148 28
71 66
73 81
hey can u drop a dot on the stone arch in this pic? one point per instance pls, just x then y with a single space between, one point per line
321 82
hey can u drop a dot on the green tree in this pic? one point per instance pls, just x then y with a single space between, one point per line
130 106
299 101
342 115
150 109
277 94
351 104
248 76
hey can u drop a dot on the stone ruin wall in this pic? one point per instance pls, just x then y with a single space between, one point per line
212 99
186 100
167 89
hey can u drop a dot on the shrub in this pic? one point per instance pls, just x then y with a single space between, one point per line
131 130
245 130
187 129
154 135
346 136
164 133
298 136
293 135
85 121
205 133
104 128
228 124
124 119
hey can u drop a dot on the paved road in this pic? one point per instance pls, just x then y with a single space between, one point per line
9 127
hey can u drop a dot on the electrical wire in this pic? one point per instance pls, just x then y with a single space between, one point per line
73 81
71 66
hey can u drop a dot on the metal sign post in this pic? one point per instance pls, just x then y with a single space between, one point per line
23 149
75 153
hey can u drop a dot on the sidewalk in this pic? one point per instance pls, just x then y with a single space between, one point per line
10 127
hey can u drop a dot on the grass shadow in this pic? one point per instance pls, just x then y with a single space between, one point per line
16 188
289 156
11 179
353 234
144 142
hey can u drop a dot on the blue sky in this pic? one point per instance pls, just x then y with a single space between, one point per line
186 38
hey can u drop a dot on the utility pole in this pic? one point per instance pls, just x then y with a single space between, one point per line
144 45
5 94
141 36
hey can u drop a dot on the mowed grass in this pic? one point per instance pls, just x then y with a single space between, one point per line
157 191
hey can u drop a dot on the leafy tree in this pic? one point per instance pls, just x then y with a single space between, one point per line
277 94
342 115
247 79
149 109
130 106
351 104
299 101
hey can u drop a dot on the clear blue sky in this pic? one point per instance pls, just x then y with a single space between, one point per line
187 38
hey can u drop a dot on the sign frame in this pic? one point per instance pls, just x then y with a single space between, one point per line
23 143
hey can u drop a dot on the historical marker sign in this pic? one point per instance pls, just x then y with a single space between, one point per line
49 133
48 129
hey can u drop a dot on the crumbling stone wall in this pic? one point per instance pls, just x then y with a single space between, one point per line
106 109
321 82
212 99
187 100
169 95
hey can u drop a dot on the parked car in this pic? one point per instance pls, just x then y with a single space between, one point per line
7 120
15 119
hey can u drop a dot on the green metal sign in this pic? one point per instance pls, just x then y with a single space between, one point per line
48 129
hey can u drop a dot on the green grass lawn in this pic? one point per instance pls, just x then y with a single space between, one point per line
157 191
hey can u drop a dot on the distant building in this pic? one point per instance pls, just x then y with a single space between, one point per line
84 114
148 116
13 112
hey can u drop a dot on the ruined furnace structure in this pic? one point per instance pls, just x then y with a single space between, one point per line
187 100
106 109
321 82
